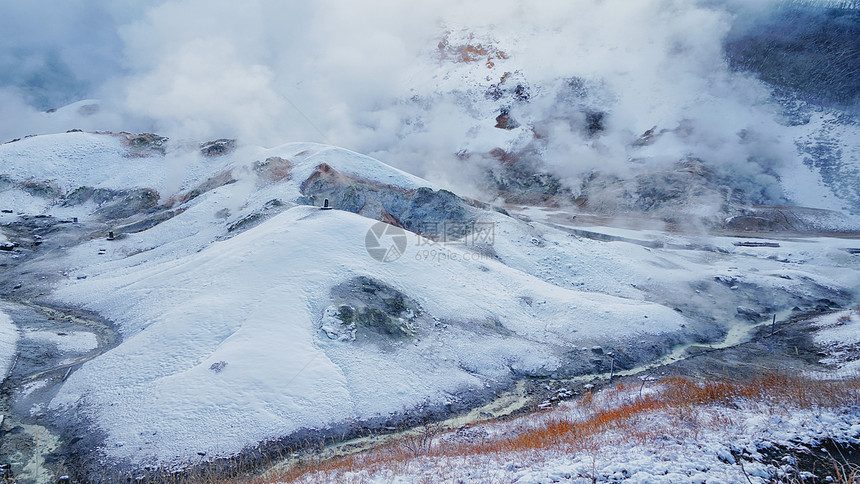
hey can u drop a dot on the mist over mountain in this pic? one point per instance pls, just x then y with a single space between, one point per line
447 91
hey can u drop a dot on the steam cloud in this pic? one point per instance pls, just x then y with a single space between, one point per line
373 77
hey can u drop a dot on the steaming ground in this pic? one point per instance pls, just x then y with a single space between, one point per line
581 88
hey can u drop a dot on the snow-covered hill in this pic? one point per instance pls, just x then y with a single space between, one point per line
259 302
542 191
658 107
245 313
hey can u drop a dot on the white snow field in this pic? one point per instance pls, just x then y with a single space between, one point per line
255 302
8 342
840 335
226 334
74 342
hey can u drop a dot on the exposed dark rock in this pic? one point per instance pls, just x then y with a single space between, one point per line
272 207
505 121
148 222
368 308
247 222
43 189
114 203
82 195
647 138
217 181
423 211
128 203
380 322
218 147
512 88
784 219
677 195
755 244
518 178
748 313
144 144
274 169
521 93
594 123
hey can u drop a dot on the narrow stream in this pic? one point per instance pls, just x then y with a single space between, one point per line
737 334
519 398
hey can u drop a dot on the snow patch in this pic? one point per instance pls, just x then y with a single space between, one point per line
75 341
8 343
839 333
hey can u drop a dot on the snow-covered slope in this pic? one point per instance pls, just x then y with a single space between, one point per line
67 161
256 301
8 339
82 159
247 315
840 335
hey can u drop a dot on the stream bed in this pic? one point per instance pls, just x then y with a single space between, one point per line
53 342
536 394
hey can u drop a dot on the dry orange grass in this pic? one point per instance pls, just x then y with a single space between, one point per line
617 414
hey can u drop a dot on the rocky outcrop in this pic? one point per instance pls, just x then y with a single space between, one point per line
218 147
368 310
518 178
113 204
423 210
144 144
211 183
274 169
